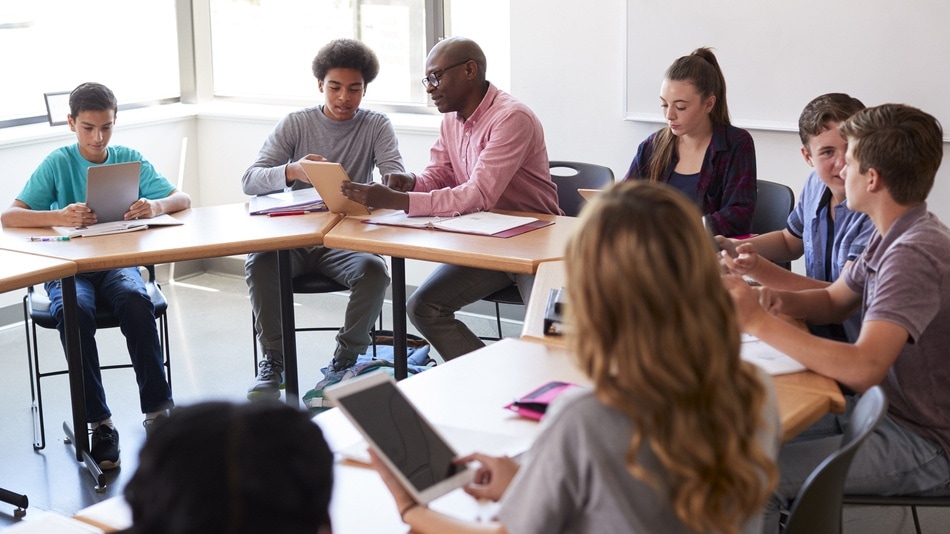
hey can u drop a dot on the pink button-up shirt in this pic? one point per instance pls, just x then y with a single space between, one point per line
495 159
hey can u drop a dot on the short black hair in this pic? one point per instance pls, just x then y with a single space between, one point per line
239 468
346 54
91 96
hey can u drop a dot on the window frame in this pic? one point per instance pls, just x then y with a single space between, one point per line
195 65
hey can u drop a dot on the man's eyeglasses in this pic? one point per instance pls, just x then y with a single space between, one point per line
435 77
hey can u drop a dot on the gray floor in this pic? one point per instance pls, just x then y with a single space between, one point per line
211 359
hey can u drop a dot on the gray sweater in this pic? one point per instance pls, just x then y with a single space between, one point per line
359 144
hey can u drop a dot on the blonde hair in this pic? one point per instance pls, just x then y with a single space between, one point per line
656 331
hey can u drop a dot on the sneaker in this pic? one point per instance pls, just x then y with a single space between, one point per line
105 447
339 364
269 381
150 424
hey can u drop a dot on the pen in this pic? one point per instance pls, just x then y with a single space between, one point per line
285 213
50 238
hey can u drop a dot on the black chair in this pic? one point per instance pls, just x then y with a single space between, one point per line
36 312
583 176
913 501
311 283
817 507
773 204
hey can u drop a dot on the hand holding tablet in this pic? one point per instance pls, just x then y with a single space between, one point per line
418 456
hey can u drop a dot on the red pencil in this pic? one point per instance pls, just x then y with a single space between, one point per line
284 213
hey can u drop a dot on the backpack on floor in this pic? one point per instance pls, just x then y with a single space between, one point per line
379 356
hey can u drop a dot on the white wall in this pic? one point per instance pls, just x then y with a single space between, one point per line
569 64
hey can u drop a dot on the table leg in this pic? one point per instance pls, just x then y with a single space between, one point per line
77 390
399 318
288 333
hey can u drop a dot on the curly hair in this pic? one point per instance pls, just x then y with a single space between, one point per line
824 110
234 469
655 329
346 54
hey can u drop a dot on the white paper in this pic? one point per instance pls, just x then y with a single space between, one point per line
772 360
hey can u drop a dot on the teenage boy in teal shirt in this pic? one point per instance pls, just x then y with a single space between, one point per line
54 196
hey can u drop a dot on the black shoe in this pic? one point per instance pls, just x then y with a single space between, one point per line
339 364
105 447
150 424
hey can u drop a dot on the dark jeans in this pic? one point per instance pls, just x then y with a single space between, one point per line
124 290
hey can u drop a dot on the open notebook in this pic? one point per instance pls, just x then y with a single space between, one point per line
117 227
481 223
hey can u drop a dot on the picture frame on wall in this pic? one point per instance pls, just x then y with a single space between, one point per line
57 107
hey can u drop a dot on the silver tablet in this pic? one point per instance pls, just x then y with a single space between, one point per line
112 189
414 451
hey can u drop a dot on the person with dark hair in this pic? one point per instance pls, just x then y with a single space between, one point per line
490 155
678 434
55 196
699 152
204 470
341 131
821 227
900 283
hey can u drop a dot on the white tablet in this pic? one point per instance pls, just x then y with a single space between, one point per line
112 189
326 178
415 452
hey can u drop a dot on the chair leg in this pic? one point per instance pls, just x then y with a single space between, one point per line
36 394
163 324
913 510
254 342
498 319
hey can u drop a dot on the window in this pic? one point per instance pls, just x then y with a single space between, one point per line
54 45
262 50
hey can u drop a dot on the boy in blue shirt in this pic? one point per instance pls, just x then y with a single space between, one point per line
821 227
54 196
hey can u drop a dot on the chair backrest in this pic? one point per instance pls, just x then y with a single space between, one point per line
586 176
817 508
774 203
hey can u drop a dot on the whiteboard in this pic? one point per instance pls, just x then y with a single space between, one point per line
777 55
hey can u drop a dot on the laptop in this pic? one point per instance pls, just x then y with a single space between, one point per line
112 189
326 178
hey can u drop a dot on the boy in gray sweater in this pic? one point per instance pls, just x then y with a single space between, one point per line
358 139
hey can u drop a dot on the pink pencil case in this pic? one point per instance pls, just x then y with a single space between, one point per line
535 404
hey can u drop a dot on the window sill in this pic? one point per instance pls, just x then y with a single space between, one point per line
411 123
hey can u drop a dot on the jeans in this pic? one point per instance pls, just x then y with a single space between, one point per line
892 461
365 274
433 305
124 291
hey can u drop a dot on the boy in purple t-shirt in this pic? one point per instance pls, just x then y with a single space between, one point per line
893 155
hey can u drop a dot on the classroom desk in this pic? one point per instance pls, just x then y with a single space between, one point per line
18 270
803 397
207 232
518 254
469 393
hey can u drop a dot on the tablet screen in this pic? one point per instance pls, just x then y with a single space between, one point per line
402 435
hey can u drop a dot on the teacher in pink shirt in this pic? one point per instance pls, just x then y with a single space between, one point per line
490 155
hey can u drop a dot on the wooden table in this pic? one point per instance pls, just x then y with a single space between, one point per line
803 397
207 232
518 254
18 270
